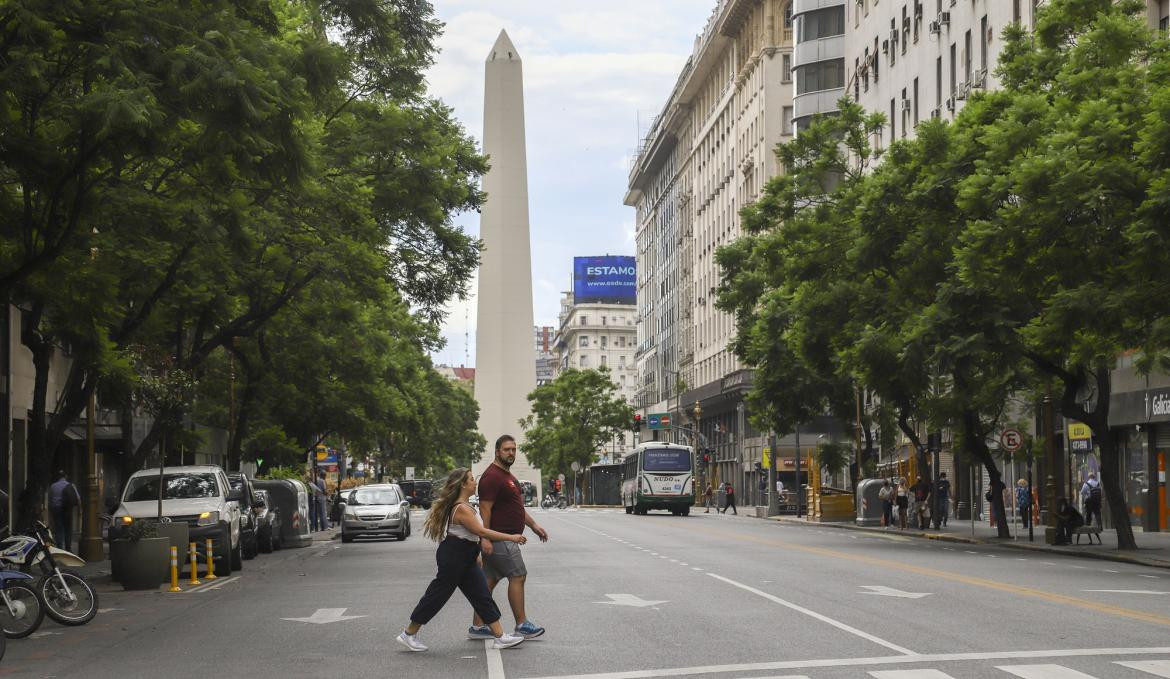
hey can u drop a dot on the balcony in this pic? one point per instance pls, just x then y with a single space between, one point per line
825 101
822 49
802 6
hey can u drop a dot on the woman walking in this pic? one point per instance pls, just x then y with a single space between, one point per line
455 525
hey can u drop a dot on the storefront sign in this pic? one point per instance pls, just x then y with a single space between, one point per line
1078 431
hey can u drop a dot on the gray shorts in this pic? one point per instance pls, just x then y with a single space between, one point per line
505 562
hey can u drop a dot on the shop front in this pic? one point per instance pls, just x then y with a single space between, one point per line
1140 420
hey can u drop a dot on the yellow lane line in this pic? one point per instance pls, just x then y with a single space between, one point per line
1051 597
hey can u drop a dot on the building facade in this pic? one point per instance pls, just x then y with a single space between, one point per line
708 154
546 356
819 57
595 335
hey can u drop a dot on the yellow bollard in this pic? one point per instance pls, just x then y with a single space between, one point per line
175 569
194 566
210 562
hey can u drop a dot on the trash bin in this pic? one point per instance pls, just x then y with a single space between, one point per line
869 506
292 501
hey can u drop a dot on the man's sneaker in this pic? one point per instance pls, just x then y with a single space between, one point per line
507 641
529 630
481 632
411 641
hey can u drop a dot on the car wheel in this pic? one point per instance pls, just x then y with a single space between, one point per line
264 544
251 546
686 511
238 555
346 537
403 532
223 559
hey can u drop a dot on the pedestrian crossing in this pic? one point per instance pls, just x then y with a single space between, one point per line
1143 668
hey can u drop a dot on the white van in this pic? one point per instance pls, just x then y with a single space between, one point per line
199 495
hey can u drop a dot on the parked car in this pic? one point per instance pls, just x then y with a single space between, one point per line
380 510
419 492
199 495
337 507
247 517
267 523
291 499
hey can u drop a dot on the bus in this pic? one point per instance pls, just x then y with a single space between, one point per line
659 475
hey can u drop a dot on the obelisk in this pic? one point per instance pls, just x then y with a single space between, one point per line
505 351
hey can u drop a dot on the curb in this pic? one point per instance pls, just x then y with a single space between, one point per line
1012 544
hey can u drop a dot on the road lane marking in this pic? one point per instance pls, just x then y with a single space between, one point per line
495 664
1158 668
1126 591
910 674
882 590
1051 597
1044 672
220 583
862 662
1152 577
813 614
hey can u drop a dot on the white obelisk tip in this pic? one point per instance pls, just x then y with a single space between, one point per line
503 50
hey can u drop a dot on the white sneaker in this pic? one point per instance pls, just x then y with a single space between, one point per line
411 641
507 641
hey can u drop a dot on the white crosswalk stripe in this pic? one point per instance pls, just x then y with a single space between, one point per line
910 674
1044 672
1158 668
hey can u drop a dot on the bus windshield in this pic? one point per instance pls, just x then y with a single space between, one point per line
666 460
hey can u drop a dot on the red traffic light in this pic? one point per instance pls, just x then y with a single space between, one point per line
637 418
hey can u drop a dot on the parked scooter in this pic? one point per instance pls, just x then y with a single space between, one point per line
21 611
68 598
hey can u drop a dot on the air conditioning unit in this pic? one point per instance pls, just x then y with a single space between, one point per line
980 79
935 113
950 103
893 37
944 18
935 28
905 104
885 47
963 91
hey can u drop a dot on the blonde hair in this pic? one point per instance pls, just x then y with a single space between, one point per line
435 525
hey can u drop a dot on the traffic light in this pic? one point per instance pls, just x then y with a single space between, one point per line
637 422
706 456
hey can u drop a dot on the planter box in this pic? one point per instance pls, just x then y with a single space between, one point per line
179 535
144 564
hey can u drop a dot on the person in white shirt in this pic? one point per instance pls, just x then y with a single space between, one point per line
1091 498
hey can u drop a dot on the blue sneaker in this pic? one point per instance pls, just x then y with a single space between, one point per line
481 632
528 630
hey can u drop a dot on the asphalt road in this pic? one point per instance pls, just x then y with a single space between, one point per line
646 596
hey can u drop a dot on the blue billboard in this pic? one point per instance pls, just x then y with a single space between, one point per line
608 280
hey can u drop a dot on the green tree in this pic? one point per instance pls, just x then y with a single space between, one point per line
572 418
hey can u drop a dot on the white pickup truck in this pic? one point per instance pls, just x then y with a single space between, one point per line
198 495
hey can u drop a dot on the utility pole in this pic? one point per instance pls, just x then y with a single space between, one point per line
1050 478
773 474
799 489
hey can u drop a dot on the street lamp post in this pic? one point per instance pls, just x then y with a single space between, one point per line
1050 478
799 489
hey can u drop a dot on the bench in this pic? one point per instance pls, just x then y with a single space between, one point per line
1089 530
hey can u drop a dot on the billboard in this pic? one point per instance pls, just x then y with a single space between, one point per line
608 279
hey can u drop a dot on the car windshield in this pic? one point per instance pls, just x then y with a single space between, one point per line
667 460
183 486
373 496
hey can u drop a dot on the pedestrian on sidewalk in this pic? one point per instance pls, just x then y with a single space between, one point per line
887 494
1068 519
322 505
453 523
1091 497
921 490
63 500
1024 502
502 506
942 500
729 492
709 497
311 490
902 500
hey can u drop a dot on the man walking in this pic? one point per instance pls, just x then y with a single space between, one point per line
321 498
942 498
1091 499
501 506
921 491
63 498
729 492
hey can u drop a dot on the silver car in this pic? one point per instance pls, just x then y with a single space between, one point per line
379 510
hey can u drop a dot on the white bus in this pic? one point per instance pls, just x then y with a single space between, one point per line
659 475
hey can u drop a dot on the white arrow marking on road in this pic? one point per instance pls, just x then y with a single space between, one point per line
629 600
882 590
325 616
107 610
1126 591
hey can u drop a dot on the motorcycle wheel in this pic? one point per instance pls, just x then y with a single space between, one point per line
22 613
73 604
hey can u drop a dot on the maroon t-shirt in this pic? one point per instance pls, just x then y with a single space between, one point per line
503 490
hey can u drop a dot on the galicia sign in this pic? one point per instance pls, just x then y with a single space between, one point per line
608 280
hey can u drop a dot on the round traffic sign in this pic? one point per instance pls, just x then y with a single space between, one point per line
576 466
1011 440
561 477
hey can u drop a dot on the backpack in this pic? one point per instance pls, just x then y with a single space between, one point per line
1095 493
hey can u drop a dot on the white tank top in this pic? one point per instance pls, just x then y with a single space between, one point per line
459 530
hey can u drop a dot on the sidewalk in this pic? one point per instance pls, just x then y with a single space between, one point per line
1153 548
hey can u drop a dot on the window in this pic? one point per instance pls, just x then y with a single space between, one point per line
584 320
983 44
604 361
822 23
603 320
938 83
823 75
914 102
786 120
622 361
583 341
905 29
967 56
583 361
604 340
786 68
905 114
788 16
954 65
893 127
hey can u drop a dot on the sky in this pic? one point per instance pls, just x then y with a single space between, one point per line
594 72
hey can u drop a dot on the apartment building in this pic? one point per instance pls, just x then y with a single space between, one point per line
819 57
708 154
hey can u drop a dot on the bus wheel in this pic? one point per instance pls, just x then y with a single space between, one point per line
686 511
629 509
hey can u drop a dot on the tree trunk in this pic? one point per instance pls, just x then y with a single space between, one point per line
30 503
974 441
1111 475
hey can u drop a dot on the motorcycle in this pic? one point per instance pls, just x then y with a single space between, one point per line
21 612
551 500
68 598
